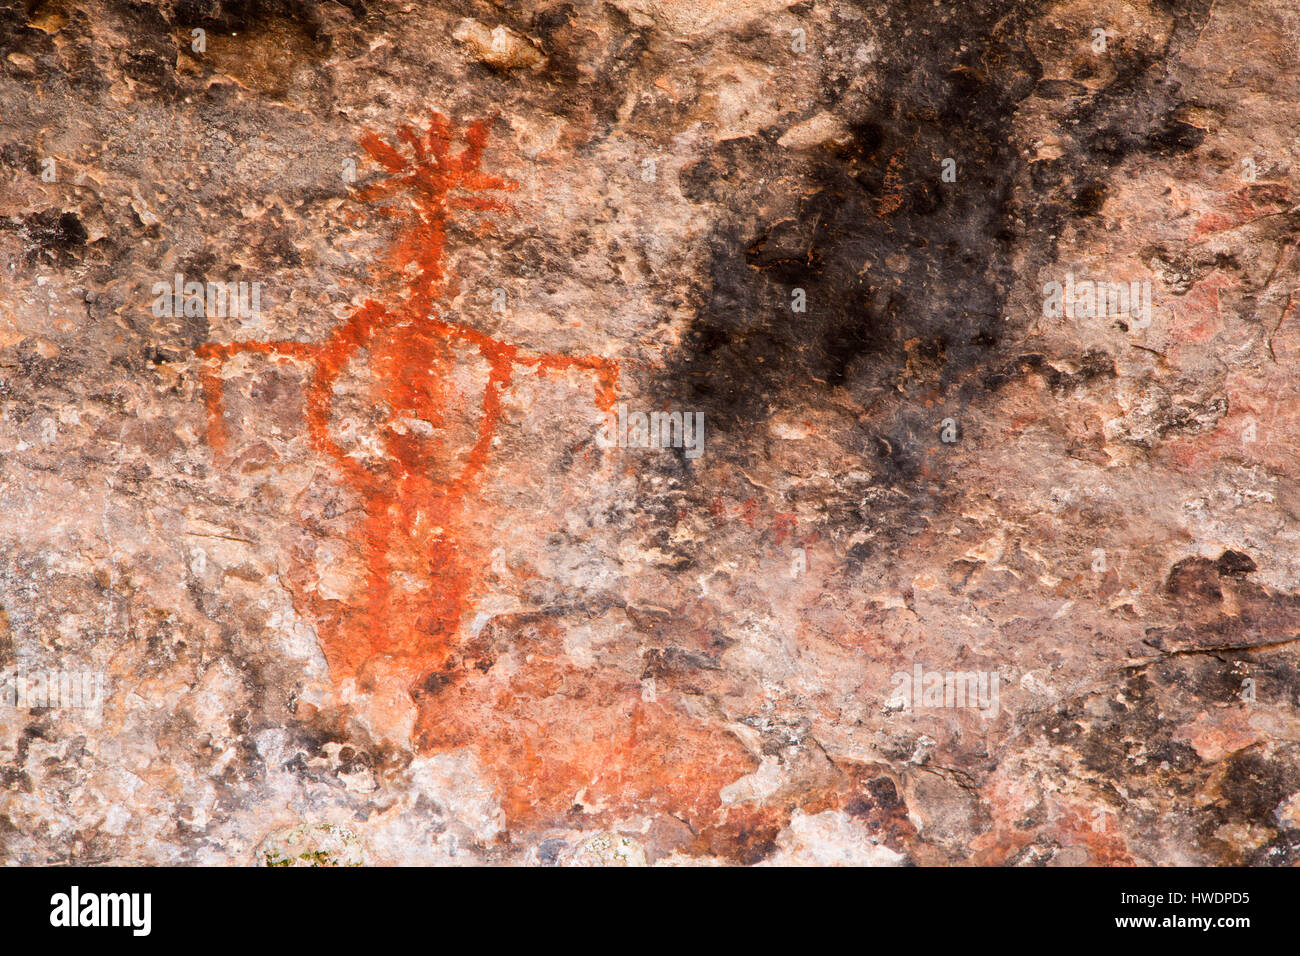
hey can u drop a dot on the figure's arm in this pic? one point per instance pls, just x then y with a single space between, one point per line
605 370
502 359
214 355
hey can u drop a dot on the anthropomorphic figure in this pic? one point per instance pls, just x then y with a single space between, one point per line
419 571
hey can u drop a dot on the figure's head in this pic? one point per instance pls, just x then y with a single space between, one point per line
426 181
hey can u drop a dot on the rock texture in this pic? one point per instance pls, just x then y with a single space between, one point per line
966 570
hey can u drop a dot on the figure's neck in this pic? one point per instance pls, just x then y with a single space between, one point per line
423 244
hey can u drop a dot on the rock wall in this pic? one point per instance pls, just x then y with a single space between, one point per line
649 432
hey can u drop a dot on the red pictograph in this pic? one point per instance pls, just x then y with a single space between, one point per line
419 569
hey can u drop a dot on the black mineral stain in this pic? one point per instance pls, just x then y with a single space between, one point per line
251 16
906 277
1235 562
891 260
594 55
1251 788
1140 743
1194 580
1137 725
50 236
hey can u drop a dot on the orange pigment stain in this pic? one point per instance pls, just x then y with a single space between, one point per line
556 738
1242 207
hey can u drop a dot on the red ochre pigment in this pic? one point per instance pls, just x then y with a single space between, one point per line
411 518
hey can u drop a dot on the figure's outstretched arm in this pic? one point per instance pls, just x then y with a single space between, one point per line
503 359
214 355
605 370
502 355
